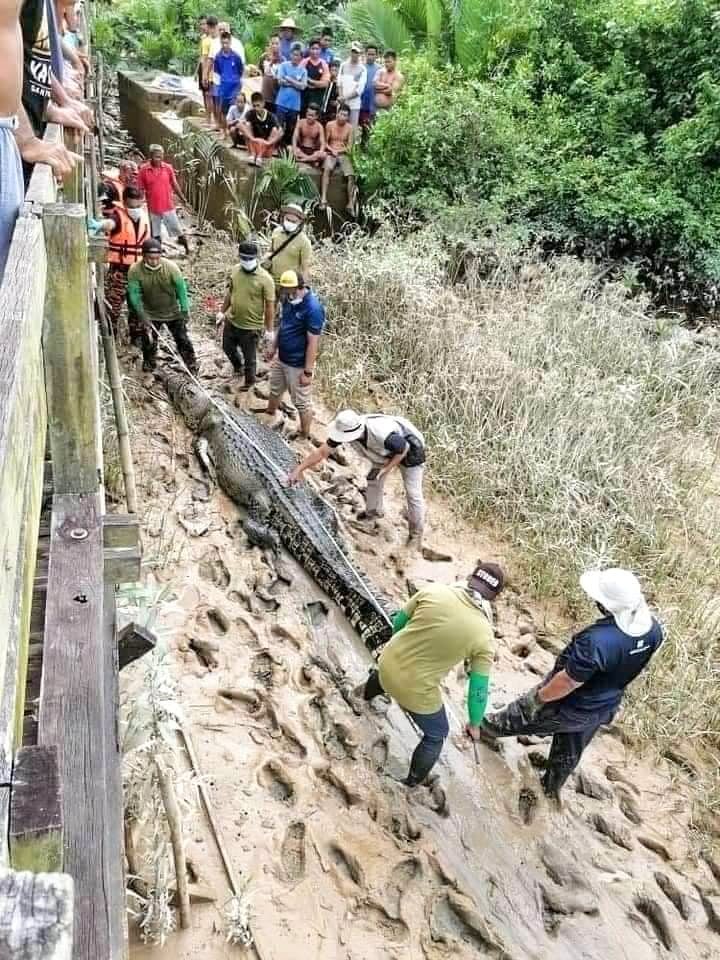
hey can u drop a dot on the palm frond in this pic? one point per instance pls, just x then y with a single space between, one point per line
379 21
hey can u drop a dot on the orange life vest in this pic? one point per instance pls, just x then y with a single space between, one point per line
125 245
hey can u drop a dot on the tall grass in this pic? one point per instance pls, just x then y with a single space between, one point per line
561 411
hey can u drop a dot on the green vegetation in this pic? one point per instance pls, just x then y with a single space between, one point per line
597 124
561 414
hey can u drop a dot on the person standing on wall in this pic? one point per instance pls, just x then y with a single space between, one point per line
289 37
249 308
158 293
438 628
338 144
206 85
352 81
389 443
228 67
388 82
294 348
318 73
158 181
367 101
127 227
290 247
268 66
292 79
584 689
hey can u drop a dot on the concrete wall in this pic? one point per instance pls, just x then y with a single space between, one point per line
142 108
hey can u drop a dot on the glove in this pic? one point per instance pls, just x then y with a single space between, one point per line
528 705
219 317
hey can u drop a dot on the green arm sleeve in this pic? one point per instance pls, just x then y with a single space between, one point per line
478 689
399 621
134 294
182 293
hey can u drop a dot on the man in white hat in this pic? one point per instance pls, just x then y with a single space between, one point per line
288 37
584 689
388 443
351 81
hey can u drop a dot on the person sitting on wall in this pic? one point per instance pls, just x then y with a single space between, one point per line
261 130
235 117
309 138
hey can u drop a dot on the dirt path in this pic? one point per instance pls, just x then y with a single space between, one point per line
344 863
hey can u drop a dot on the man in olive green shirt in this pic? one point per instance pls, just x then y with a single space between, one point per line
158 293
290 247
249 306
438 628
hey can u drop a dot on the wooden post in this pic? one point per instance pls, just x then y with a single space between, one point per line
74 187
69 350
78 711
36 826
36 915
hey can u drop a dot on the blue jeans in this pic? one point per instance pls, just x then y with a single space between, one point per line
571 729
11 187
434 728
287 120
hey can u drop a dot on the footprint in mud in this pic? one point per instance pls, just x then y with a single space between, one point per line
262 667
653 912
292 742
344 790
218 620
381 922
527 805
252 700
292 852
379 752
404 828
212 568
679 900
347 866
403 874
277 782
455 921
206 651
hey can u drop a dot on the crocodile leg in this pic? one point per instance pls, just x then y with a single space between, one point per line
202 452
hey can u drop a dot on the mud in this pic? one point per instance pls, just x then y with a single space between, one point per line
342 861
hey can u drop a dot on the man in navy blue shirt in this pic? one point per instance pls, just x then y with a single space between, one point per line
585 687
294 348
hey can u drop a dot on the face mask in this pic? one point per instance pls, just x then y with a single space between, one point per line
134 213
289 226
153 268
248 265
296 300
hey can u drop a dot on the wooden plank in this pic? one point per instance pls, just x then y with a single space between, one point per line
122 565
78 713
74 185
36 825
22 425
69 350
4 819
121 530
36 916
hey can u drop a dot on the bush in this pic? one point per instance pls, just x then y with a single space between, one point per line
561 414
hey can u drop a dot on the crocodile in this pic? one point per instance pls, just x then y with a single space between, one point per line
251 463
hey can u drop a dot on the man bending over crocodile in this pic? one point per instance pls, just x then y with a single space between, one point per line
439 627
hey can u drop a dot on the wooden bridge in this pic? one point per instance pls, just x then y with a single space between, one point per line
62 885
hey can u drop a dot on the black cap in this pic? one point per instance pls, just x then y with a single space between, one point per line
152 246
488 579
247 250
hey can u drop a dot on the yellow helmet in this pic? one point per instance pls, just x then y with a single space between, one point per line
289 279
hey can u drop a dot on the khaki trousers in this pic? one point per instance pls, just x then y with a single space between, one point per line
412 481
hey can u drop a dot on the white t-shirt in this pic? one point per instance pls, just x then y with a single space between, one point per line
351 81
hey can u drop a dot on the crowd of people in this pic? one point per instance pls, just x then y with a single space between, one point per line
310 102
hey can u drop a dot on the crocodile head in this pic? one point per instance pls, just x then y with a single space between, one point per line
191 400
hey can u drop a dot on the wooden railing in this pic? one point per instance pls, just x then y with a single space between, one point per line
61 797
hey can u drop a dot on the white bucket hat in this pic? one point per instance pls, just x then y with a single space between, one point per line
346 427
619 591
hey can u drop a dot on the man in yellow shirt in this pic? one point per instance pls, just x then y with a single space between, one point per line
439 627
290 247
249 306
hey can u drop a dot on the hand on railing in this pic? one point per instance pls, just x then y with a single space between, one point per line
61 160
67 117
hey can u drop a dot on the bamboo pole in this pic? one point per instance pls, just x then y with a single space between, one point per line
172 812
113 369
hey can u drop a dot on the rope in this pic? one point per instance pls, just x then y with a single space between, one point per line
278 472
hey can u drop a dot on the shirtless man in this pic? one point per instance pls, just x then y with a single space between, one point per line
388 82
309 138
15 129
339 135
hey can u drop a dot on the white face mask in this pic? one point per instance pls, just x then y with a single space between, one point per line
152 268
134 213
248 265
289 226
296 300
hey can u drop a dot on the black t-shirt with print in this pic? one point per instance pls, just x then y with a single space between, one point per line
261 128
37 62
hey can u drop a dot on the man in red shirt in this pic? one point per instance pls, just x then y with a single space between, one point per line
157 179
